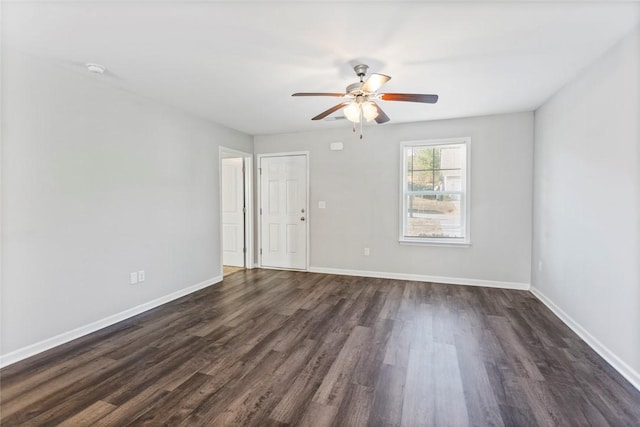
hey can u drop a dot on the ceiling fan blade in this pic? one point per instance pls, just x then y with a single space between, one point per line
409 97
317 94
381 117
330 110
374 82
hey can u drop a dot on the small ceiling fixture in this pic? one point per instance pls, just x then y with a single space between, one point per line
362 96
96 68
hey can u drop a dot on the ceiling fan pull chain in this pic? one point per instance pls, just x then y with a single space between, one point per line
361 120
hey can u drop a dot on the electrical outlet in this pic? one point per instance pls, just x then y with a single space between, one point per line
133 278
141 276
366 252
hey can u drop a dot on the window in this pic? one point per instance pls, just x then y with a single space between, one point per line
435 192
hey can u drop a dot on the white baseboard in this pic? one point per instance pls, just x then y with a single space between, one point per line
39 347
423 278
618 364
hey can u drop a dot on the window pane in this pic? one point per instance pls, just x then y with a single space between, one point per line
438 180
421 180
422 158
450 157
451 182
434 216
435 160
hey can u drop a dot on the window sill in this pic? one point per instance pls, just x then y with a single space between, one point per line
434 242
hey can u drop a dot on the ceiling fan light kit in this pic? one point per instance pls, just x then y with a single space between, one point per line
362 95
356 111
352 113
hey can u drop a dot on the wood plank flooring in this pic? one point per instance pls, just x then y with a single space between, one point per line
230 269
288 348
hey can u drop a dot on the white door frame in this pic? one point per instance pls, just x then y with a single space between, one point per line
306 209
225 153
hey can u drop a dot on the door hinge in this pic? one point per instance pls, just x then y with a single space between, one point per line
244 210
260 251
260 171
260 211
244 250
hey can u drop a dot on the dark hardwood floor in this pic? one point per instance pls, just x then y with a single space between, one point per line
287 348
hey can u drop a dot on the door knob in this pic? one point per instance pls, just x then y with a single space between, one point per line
302 219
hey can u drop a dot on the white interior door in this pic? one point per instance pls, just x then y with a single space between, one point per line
283 205
233 246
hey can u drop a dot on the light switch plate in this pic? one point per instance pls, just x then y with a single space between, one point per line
141 276
322 204
133 278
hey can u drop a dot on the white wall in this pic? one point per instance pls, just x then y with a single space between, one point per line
361 185
587 205
97 183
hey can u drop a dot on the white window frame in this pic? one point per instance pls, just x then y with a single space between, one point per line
464 199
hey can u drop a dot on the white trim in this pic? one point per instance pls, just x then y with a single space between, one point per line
284 153
439 244
259 157
39 347
466 193
424 278
618 364
283 269
224 152
250 212
434 241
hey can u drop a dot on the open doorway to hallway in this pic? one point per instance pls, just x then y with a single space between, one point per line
235 210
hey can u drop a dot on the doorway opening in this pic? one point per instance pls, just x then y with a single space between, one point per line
236 219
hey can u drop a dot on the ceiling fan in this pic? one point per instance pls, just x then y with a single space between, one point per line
361 96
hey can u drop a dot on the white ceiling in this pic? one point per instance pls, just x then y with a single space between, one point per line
237 63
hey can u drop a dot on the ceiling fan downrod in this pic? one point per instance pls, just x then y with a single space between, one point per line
361 71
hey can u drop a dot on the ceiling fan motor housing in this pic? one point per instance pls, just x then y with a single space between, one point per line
354 88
